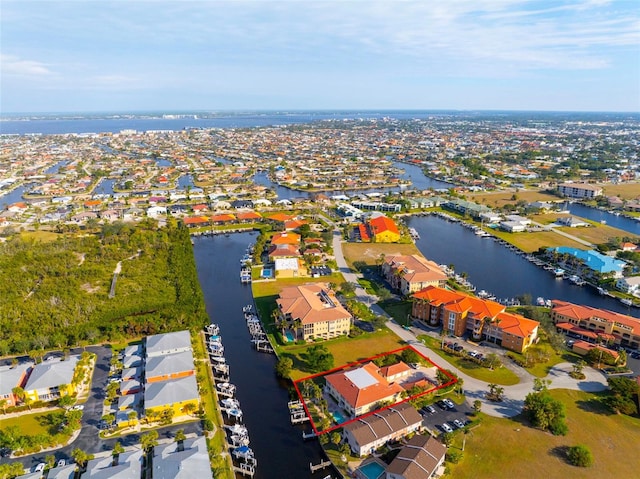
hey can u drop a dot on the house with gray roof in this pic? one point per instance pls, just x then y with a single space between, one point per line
63 472
420 458
11 377
170 366
168 343
175 393
46 377
169 462
127 466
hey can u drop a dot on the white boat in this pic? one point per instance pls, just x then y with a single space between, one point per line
230 403
219 359
243 452
238 429
540 301
626 301
577 280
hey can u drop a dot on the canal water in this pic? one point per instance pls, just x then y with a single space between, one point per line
278 446
498 270
594 214
12 197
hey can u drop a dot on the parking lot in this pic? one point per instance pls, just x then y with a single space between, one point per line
434 420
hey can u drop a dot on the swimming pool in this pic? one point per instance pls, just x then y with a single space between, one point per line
290 337
373 470
267 273
339 417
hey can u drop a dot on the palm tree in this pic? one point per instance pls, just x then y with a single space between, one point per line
117 450
3 405
179 439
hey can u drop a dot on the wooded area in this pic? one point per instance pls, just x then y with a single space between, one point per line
56 294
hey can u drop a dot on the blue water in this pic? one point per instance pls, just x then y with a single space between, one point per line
339 417
595 214
267 273
373 470
290 337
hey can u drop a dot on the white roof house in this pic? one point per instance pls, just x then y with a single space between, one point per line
170 364
193 462
63 472
168 343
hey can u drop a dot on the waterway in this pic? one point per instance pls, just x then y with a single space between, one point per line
12 197
278 446
498 270
594 214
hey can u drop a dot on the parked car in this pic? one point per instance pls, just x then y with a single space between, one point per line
414 365
473 354
442 404
430 409
40 467
458 423
77 407
61 463
449 403
446 428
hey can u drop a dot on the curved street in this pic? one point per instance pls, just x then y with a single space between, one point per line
474 388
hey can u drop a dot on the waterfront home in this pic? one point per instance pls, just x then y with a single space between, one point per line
420 458
52 379
126 465
285 238
168 343
312 311
583 348
222 219
369 433
12 377
289 268
169 366
593 260
461 314
361 390
173 393
283 251
383 229
193 221
411 273
248 217
594 325
579 190
630 285
571 222
182 460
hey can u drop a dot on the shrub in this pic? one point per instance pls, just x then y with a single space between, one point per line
580 456
207 424
454 456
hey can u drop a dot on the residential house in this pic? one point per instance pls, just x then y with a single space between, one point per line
68 471
173 393
169 366
583 348
313 311
419 458
571 221
12 377
248 217
383 229
363 389
168 343
594 260
460 313
411 273
187 461
594 325
51 379
369 433
630 285
285 238
579 190
289 267
127 465
283 251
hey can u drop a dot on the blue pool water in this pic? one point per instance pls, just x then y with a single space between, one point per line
337 415
373 470
267 273
290 337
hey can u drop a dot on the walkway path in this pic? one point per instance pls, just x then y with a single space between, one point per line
474 388
555 229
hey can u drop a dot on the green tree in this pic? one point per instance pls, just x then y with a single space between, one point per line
117 449
477 406
66 401
336 438
580 456
179 439
50 460
149 440
409 355
283 367
81 457
545 412
319 358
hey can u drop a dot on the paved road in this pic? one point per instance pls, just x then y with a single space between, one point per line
474 388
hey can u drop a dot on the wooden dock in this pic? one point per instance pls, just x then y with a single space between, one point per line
245 470
317 467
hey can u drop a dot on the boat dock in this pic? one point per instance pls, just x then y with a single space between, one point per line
321 465
297 413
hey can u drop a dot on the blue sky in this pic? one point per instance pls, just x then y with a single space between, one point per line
98 55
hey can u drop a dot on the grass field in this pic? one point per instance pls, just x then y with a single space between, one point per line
501 198
345 350
31 424
595 234
502 376
369 253
509 448
530 242
45 236
624 190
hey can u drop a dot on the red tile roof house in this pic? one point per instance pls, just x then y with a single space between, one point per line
196 221
283 251
362 390
222 219
411 273
285 238
248 217
200 208
18 207
11 377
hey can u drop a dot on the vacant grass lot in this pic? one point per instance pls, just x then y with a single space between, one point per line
344 350
34 424
595 234
369 253
45 236
624 190
501 198
502 376
530 242
509 448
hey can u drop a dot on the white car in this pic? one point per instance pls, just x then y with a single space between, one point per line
40 467
61 463
458 423
77 407
449 403
446 428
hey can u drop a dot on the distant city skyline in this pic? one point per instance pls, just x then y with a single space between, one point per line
210 55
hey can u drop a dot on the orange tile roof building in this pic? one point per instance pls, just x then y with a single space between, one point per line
412 273
362 390
312 311
383 229
286 238
460 313
592 324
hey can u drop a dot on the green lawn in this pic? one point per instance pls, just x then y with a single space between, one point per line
541 370
502 376
35 424
398 310
509 448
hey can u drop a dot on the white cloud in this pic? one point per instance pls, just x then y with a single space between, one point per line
12 65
